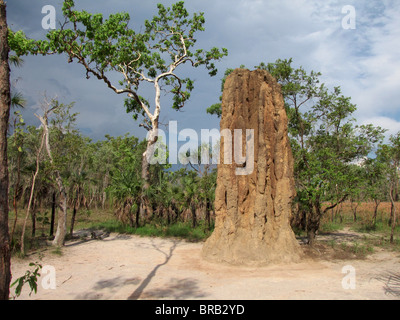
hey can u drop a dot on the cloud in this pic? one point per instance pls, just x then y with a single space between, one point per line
393 126
365 62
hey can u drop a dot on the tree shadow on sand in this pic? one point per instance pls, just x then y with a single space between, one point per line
104 289
139 290
392 283
177 289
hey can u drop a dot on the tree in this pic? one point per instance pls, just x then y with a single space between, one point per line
325 155
49 107
216 108
17 99
16 150
191 194
125 180
390 156
34 177
153 57
206 172
5 102
375 183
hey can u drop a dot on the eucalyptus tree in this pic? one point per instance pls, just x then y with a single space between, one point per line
80 158
35 174
163 195
376 183
208 185
325 140
5 102
191 194
125 179
206 172
389 155
48 108
18 101
16 155
324 158
108 46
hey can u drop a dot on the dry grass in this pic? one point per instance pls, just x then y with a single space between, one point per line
334 220
365 211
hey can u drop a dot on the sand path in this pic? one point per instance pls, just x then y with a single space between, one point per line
132 267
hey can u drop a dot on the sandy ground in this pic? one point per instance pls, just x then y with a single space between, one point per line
130 267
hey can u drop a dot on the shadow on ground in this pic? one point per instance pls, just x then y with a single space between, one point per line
105 288
337 237
139 290
391 281
176 289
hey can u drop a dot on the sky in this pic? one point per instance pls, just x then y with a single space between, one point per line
357 50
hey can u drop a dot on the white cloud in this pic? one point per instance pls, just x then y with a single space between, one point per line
365 62
390 124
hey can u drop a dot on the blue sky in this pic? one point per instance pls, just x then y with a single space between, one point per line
364 62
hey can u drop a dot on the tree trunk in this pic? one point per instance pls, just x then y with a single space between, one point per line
354 209
151 140
377 202
315 215
5 101
168 215
208 214
28 209
392 214
53 214
71 229
62 219
314 219
74 213
105 185
62 216
15 201
193 212
33 218
137 213
174 210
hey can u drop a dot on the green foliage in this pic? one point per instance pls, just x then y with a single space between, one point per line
179 230
215 109
18 100
108 45
30 277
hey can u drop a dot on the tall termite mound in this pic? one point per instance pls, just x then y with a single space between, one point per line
253 210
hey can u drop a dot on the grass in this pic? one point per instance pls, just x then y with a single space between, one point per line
102 220
376 233
360 250
330 226
105 219
177 230
57 251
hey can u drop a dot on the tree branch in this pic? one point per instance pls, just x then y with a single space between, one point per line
337 203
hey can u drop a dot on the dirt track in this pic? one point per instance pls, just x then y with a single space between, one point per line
131 267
